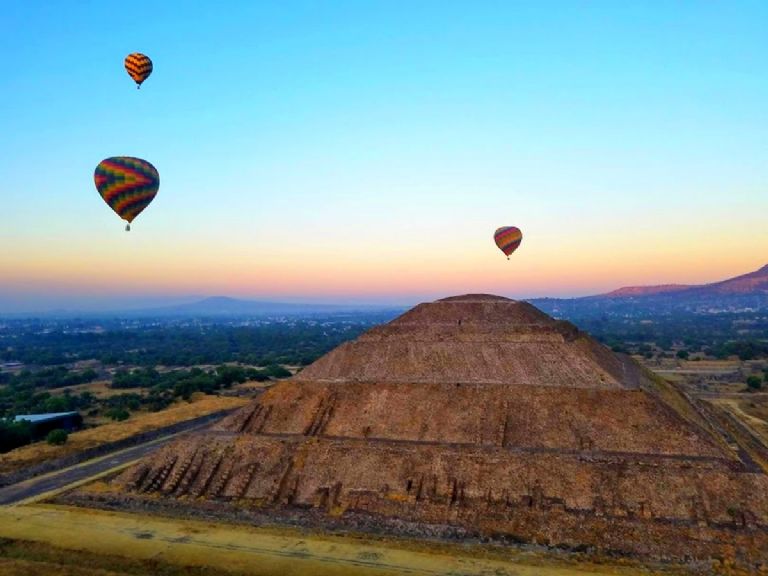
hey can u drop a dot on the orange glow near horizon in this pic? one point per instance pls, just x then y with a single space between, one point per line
359 162
393 274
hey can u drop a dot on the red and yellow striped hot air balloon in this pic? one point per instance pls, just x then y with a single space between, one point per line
127 184
508 239
139 67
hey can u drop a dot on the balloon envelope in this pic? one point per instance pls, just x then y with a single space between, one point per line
127 184
508 239
138 66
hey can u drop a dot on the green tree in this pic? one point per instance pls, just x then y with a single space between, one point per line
185 389
57 437
277 371
229 375
118 414
754 383
14 434
682 354
57 404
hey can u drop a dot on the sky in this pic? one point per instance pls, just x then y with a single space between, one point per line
364 151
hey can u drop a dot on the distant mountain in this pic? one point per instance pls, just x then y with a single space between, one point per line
225 306
629 291
218 307
745 292
753 283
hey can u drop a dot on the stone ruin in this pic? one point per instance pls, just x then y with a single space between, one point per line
477 416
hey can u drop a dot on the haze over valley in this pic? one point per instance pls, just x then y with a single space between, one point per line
363 288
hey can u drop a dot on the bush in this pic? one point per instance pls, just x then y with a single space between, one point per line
754 383
276 371
14 434
118 414
229 375
682 354
57 437
57 404
126 401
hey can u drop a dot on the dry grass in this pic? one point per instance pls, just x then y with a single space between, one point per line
137 424
712 364
99 388
58 540
15 567
752 410
251 387
24 558
708 378
756 406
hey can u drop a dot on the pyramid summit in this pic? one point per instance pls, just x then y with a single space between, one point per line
475 415
476 339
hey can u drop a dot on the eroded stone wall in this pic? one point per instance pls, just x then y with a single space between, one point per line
491 415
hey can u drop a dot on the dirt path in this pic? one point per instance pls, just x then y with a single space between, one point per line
263 552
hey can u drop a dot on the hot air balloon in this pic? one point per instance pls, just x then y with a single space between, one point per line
139 67
127 184
508 238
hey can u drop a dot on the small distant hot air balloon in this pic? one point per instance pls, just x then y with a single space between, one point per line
127 184
139 67
508 238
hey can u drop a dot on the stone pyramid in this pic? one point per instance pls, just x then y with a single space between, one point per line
477 416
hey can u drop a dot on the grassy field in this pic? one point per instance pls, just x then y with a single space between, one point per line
161 546
138 423
99 388
25 558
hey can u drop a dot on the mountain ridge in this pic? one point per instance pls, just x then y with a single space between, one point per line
751 288
750 283
211 306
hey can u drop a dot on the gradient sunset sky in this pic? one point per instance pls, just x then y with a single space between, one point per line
366 151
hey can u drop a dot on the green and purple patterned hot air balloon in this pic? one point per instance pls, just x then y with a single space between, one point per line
127 184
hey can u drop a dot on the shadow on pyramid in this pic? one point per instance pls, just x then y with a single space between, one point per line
475 416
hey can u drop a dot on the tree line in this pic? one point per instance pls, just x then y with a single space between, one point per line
295 343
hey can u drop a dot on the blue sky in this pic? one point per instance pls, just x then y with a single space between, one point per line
367 150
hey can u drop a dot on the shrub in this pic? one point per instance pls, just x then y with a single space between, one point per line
682 354
754 383
118 414
229 375
276 371
14 434
57 437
